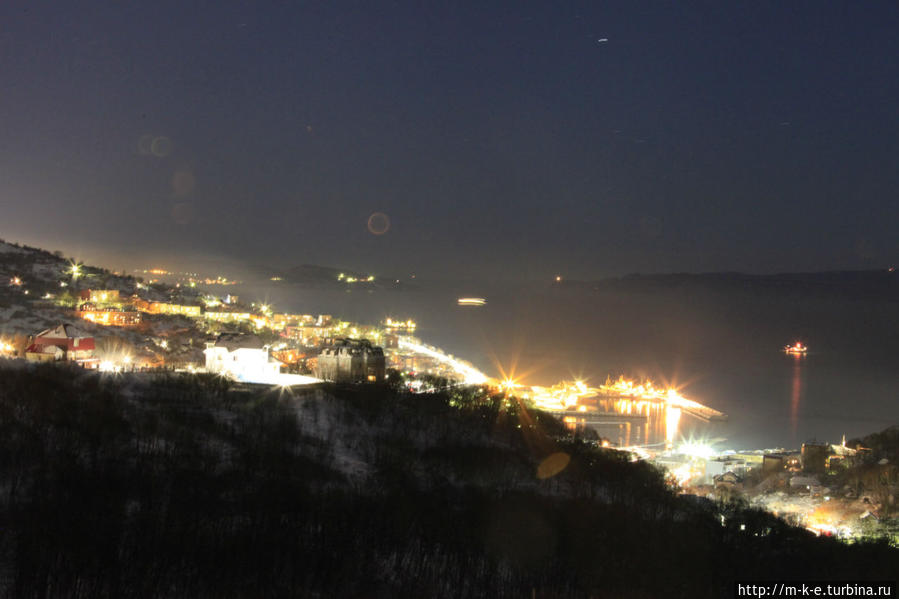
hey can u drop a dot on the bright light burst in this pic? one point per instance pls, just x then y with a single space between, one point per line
75 270
696 448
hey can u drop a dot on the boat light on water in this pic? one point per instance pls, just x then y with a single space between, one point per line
471 301
796 348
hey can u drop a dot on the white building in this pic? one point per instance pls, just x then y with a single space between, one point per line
246 358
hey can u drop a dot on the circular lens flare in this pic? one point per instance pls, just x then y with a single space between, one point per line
378 223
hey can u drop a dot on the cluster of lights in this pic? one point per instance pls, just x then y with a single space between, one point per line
408 325
191 278
797 349
560 396
118 365
348 279
648 391
15 281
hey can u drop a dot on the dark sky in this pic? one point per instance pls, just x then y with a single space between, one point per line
504 141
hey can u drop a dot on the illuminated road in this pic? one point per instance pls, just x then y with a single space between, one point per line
470 374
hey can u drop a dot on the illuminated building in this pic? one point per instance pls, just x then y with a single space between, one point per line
307 335
227 316
281 321
247 359
242 357
176 309
64 342
399 326
289 356
351 360
111 317
102 297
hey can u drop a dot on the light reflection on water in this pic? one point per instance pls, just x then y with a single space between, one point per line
796 393
628 422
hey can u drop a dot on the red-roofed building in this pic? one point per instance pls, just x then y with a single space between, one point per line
65 342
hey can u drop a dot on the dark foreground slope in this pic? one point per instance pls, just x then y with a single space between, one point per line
182 487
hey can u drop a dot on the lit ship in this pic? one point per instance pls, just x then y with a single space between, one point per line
796 349
471 301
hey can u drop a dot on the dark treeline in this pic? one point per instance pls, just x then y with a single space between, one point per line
185 486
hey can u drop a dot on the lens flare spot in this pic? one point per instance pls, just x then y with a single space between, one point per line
145 145
378 223
183 183
161 146
553 464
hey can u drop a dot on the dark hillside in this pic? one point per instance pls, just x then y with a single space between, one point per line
184 486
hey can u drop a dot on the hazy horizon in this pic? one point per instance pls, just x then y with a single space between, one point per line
518 142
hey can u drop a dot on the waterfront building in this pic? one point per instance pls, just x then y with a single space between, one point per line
351 360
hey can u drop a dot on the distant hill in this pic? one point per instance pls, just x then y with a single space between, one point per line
884 444
41 272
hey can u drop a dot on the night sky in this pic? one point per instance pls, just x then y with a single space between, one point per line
515 140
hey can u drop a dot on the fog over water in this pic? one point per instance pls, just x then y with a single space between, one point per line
724 348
